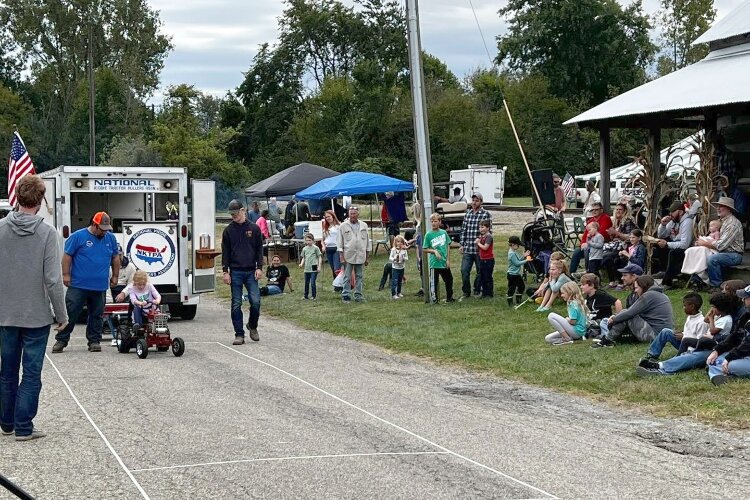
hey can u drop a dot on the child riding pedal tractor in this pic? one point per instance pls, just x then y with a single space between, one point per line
150 322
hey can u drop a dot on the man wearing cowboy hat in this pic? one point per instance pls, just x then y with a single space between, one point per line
731 243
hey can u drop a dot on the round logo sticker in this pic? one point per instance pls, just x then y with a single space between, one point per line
151 250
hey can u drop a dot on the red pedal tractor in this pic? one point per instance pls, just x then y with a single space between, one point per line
155 333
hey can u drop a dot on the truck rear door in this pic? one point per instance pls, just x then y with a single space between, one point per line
204 235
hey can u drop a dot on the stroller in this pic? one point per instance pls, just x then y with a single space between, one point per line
541 237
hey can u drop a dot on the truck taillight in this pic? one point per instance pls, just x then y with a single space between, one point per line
183 231
66 231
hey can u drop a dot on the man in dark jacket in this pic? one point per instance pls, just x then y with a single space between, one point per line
731 358
242 263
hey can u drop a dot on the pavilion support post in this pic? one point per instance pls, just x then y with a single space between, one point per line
654 143
605 148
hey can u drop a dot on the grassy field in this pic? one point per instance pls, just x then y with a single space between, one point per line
487 335
520 201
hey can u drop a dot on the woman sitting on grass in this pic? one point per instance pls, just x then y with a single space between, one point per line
557 278
574 326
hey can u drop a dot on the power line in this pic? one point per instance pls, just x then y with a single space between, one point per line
481 34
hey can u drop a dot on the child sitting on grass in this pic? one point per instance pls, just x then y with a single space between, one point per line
557 278
574 326
144 297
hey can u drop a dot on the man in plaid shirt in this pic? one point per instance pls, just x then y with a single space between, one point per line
731 244
469 250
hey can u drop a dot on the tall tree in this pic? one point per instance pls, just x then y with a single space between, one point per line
587 49
680 23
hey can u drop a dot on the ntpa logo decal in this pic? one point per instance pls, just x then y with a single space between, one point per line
151 250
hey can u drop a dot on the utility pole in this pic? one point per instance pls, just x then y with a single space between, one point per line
421 130
92 96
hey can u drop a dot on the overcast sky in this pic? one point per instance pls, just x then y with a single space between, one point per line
215 40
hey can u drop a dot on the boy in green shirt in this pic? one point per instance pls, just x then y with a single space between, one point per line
437 245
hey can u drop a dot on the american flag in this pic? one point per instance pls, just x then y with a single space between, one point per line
567 184
19 165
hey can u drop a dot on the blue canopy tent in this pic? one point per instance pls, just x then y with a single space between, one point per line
354 183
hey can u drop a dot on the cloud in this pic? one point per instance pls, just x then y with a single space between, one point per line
216 40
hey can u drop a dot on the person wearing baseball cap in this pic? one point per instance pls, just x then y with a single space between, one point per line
730 246
89 255
469 250
675 236
731 357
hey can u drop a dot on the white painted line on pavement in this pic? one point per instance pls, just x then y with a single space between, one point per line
407 431
99 431
281 459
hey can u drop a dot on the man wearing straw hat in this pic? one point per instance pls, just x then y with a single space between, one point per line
731 243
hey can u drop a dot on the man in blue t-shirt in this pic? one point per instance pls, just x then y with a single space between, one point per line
89 254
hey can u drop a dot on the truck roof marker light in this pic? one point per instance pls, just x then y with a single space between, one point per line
66 231
183 231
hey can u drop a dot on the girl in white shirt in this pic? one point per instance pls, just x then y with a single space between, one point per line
330 231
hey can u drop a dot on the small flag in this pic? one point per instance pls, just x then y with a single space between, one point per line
19 165
567 184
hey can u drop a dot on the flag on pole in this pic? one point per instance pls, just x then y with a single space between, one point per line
567 184
19 165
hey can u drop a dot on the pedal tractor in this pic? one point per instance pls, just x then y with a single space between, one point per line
155 333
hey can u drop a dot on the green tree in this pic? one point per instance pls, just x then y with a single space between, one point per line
587 49
130 152
681 22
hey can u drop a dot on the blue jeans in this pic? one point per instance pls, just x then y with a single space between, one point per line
397 276
738 367
333 260
687 361
311 279
359 274
274 290
246 279
717 261
19 403
575 259
75 299
139 316
469 260
666 336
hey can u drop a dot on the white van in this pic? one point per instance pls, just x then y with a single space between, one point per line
176 252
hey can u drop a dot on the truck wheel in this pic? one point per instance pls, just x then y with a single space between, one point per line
141 348
187 312
178 347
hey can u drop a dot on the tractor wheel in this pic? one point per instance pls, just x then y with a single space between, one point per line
141 348
123 339
188 312
178 346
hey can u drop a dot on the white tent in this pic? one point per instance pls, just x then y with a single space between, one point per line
678 158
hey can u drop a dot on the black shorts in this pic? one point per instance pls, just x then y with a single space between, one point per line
393 230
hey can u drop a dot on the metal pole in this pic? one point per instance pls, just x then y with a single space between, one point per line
421 129
92 96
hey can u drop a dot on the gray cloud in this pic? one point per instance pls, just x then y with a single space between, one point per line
215 40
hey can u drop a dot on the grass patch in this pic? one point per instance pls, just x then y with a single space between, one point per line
520 201
488 336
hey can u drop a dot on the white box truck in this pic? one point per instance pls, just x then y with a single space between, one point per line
486 179
175 251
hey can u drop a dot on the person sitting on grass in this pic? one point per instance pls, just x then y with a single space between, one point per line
731 357
538 291
629 274
719 327
650 313
437 245
144 297
574 326
635 253
515 274
557 278
695 327
599 302
278 278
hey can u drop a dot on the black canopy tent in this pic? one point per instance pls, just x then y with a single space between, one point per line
289 181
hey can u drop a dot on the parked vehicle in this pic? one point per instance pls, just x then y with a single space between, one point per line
485 179
149 211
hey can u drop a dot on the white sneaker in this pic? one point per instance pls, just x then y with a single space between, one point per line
114 342
396 297
400 295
